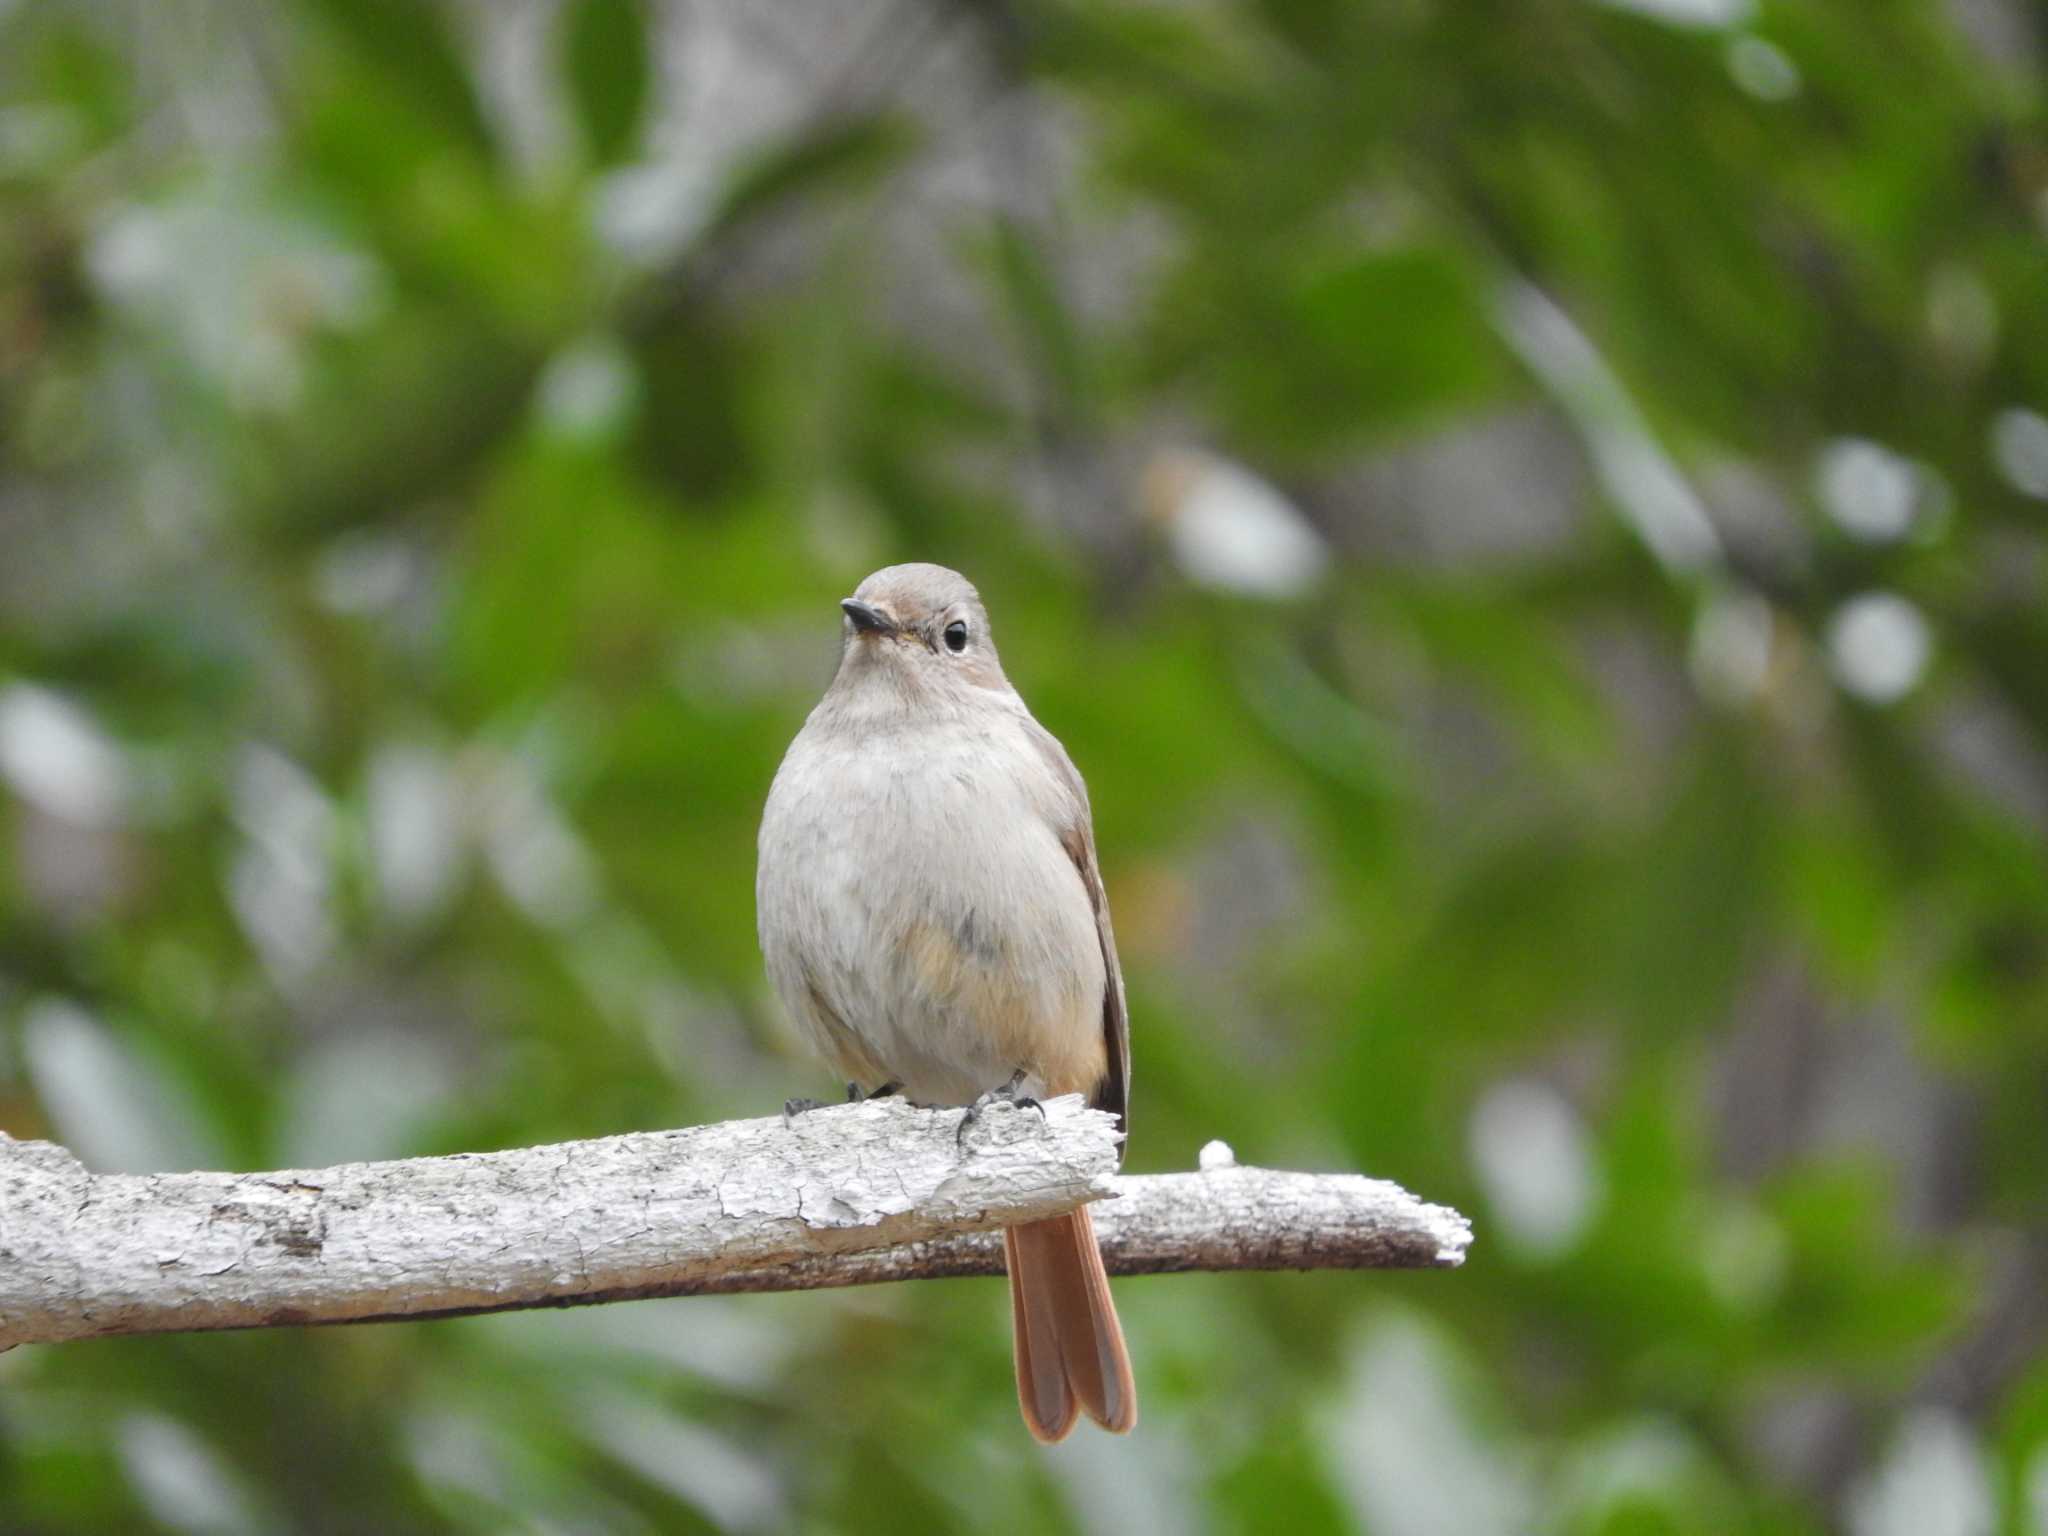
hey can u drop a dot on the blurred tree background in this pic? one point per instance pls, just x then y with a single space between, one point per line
1532 517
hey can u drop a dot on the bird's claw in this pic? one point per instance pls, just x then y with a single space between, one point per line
1007 1094
791 1108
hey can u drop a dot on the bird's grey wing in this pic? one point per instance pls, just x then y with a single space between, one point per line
1076 828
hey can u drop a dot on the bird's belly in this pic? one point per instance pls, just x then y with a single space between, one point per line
927 926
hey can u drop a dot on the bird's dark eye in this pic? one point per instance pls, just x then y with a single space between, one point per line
956 635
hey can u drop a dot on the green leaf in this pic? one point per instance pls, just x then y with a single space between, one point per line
1339 348
1031 292
408 43
605 64
849 152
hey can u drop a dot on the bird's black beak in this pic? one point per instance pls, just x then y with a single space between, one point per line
866 620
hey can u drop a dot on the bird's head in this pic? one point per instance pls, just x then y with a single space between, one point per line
917 632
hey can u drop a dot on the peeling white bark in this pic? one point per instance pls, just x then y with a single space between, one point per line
842 1196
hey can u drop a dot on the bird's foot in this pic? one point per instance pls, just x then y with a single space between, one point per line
791 1108
1007 1094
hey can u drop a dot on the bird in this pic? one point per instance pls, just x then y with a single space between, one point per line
932 917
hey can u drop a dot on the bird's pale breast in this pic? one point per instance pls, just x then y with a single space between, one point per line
921 917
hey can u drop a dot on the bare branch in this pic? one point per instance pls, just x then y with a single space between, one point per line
847 1196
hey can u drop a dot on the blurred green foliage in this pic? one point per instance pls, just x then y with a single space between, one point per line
1602 787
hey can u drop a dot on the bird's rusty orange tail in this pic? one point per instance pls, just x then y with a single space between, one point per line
1070 1347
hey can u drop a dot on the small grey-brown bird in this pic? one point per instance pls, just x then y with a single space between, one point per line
932 916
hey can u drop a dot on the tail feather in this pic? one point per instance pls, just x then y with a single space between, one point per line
1070 1347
